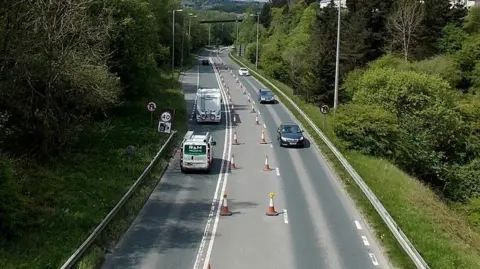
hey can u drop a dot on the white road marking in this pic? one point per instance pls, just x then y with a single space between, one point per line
264 126
285 216
278 171
357 223
216 198
374 259
365 241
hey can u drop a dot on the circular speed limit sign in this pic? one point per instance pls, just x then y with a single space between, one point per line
166 116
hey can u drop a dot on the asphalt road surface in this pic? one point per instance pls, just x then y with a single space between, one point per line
180 227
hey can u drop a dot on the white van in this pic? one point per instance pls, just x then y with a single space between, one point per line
197 152
209 105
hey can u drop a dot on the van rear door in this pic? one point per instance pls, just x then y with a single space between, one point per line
194 154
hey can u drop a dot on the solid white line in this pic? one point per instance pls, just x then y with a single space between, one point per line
217 218
278 171
357 223
374 259
285 216
225 154
365 241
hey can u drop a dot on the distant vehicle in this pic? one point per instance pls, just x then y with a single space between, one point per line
205 62
209 105
266 96
290 134
197 152
243 72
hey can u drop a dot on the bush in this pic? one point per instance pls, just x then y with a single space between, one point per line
443 66
368 129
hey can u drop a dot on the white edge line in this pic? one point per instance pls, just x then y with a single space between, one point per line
217 218
285 216
373 258
277 170
215 199
365 241
357 223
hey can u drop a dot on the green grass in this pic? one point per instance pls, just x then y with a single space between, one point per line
440 233
76 191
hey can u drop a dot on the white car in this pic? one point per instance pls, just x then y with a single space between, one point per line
243 72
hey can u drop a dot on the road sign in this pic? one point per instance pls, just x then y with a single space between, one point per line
151 106
324 109
166 116
129 150
164 127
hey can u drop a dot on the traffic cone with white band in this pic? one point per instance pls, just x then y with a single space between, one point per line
257 122
253 108
244 91
271 207
232 163
267 165
232 107
229 98
262 138
235 141
248 98
234 119
225 210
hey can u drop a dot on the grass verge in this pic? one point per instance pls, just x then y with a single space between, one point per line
440 233
76 191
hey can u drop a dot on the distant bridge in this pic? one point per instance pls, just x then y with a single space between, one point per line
217 21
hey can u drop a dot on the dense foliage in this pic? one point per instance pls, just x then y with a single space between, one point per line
409 76
65 65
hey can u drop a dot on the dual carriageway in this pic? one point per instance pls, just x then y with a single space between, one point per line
180 227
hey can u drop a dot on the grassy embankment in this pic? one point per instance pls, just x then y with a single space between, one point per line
441 234
78 189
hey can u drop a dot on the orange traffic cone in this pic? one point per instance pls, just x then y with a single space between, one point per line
234 119
271 208
225 211
209 267
262 139
253 108
249 99
232 107
244 91
267 166
235 141
238 81
257 122
232 163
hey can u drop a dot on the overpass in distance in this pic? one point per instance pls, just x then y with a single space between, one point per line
217 21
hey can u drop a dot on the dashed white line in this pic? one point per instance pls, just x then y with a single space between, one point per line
357 223
365 241
285 216
374 259
264 126
278 171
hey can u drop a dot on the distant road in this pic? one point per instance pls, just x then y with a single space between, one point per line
318 226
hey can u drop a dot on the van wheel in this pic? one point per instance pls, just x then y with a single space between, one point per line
182 169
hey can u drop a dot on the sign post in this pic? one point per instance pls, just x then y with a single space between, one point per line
151 107
129 151
324 109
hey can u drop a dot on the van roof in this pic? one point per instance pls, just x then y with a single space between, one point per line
196 136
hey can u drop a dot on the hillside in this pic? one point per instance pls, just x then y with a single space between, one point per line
409 99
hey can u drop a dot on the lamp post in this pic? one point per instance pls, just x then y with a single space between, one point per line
173 38
337 60
190 15
256 54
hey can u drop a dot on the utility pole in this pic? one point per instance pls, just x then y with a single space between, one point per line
173 38
209 33
337 60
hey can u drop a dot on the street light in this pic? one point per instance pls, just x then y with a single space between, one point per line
190 15
337 60
173 38
256 54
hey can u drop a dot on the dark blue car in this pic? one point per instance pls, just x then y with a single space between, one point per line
290 134
266 96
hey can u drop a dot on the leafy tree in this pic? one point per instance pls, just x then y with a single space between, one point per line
452 39
367 128
472 23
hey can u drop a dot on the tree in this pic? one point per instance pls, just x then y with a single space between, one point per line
404 22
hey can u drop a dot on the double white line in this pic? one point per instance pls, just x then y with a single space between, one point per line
214 215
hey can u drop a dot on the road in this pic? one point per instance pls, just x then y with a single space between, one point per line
180 227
